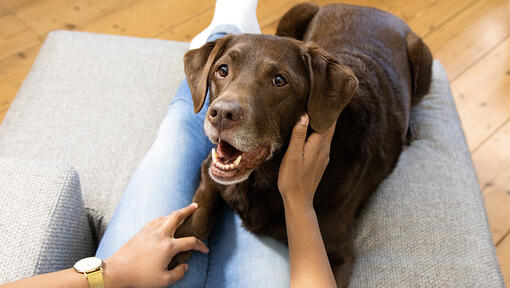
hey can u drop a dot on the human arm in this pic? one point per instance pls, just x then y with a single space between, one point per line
141 262
300 174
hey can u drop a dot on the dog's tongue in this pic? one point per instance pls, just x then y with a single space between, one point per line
227 152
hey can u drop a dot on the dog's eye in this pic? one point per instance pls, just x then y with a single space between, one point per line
223 70
279 81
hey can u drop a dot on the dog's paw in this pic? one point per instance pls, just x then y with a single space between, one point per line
179 259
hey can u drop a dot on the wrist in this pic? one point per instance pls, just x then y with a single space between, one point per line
302 205
111 275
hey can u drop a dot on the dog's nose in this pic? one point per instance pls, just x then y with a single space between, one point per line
225 114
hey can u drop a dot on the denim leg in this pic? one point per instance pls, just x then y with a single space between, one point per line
164 181
239 258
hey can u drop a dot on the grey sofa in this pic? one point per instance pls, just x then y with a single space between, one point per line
90 108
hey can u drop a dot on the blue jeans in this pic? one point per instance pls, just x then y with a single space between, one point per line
166 180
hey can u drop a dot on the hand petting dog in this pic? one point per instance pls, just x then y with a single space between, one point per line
303 164
300 174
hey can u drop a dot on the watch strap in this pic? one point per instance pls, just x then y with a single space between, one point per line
95 279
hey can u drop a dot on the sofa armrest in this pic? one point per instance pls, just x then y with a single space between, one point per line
43 223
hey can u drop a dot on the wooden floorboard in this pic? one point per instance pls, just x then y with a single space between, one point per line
481 95
470 37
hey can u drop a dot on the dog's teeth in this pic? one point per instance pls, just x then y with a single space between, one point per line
231 166
214 157
238 160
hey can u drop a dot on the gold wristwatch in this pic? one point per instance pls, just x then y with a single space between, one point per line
92 269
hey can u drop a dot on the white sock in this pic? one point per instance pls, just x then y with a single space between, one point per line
242 14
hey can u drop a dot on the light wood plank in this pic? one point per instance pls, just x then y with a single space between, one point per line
10 25
148 18
17 66
18 42
46 15
8 93
481 95
270 28
432 14
270 11
3 10
13 4
186 30
493 158
503 251
14 35
470 35
497 202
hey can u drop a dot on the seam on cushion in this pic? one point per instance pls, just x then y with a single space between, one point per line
64 180
94 217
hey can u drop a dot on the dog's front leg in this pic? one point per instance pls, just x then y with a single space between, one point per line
200 223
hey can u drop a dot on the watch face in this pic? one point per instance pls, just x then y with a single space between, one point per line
88 264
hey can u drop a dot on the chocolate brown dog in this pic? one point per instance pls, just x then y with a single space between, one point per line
359 65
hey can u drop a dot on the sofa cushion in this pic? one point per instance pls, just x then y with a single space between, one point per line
96 102
43 224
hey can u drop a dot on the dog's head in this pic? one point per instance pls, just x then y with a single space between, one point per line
259 86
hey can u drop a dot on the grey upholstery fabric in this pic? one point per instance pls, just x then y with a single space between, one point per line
96 101
43 223
426 226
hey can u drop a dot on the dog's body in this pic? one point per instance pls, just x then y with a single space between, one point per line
373 69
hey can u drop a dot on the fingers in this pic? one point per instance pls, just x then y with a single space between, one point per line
189 243
322 139
326 136
176 218
176 274
330 132
297 140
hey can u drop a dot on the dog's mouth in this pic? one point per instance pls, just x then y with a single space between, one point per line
230 165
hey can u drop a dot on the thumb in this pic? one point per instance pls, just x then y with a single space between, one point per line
176 274
297 140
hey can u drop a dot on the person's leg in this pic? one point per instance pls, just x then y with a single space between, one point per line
238 258
167 177
164 181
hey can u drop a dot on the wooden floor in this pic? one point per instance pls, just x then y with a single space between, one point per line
470 37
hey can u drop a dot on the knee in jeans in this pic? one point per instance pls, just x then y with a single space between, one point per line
177 119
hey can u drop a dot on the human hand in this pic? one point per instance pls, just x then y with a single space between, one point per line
303 164
143 260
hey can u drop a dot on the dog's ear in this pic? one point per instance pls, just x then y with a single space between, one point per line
332 86
197 65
